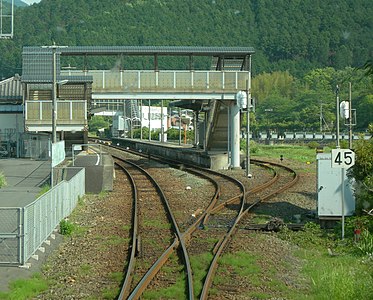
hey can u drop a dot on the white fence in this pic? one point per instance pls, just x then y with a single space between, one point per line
24 229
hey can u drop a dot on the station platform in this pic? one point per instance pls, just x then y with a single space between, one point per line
24 179
215 160
99 170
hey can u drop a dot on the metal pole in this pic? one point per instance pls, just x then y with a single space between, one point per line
162 130
179 126
248 93
149 115
54 95
229 140
140 119
350 116
196 128
337 125
131 127
343 203
321 117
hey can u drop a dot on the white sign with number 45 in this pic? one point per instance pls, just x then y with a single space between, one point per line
343 158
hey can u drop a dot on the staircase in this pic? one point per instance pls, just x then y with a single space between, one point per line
217 127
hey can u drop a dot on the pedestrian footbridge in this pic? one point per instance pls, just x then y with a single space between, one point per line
208 83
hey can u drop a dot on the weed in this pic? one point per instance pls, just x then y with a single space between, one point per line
365 244
45 188
117 277
80 201
110 293
66 227
2 180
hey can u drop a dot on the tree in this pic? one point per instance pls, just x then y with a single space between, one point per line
363 174
97 122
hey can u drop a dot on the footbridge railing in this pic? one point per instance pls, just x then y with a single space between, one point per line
165 80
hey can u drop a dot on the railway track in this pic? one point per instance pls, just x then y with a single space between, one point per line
283 178
153 232
213 226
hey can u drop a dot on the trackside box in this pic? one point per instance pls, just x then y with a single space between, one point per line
329 189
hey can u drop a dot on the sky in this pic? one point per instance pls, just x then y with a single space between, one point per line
31 1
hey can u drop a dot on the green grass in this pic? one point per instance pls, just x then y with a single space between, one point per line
25 288
345 275
117 277
156 223
240 263
261 219
116 240
110 293
200 264
175 291
298 153
337 277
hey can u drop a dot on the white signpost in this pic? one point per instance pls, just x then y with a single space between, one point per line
345 159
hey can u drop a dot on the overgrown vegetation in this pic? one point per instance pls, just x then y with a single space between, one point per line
2 180
337 269
66 227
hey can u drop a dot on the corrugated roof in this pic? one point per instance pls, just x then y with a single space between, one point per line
145 50
11 90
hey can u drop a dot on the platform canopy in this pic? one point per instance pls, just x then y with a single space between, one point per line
223 58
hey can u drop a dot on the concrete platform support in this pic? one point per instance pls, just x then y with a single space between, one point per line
234 119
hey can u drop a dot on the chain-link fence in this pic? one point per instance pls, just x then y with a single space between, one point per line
10 235
23 230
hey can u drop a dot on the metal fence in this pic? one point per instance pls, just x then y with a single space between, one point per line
23 230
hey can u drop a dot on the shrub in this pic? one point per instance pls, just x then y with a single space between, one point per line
313 145
66 227
254 146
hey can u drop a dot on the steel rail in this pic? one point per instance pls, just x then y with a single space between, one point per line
156 266
221 245
213 208
130 268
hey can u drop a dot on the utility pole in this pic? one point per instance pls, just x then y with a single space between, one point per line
54 95
337 114
141 118
350 116
149 116
248 95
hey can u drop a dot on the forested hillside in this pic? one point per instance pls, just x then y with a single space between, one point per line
304 48
297 35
